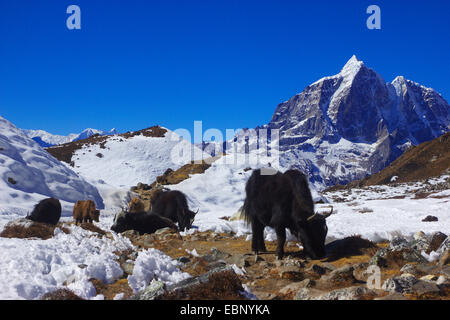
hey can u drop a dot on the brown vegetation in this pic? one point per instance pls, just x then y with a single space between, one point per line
39 230
61 294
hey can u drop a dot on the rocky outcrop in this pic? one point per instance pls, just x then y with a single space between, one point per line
367 122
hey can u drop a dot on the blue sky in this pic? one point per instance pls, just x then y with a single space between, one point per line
137 63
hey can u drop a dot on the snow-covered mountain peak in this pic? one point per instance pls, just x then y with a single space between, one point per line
352 66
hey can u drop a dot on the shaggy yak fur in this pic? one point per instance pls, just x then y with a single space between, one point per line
46 211
141 222
85 211
284 201
173 205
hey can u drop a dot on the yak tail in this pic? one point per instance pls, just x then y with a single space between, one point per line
246 211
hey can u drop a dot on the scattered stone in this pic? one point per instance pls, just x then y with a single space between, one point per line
442 280
378 258
429 277
292 273
411 269
444 246
328 266
445 258
420 242
401 284
316 270
392 296
128 267
398 244
425 287
351 293
360 271
155 289
437 239
183 260
307 294
430 219
216 255
293 288
341 276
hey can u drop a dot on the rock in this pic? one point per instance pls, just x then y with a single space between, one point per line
328 266
351 293
409 268
215 255
307 294
424 287
128 267
412 255
444 246
420 242
184 260
340 276
293 288
442 280
378 259
292 273
155 289
445 258
437 239
398 244
360 271
430 219
401 284
429 277
392 296
316 270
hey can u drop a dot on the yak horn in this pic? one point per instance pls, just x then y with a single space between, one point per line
197 210
326 215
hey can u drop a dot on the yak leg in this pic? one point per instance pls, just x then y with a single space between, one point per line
281 239
257 237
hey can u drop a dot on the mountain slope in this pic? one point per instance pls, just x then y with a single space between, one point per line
427 160
347 126
29 173
126 159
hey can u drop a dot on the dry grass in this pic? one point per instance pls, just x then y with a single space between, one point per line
220 286
39 230
109 291
61 294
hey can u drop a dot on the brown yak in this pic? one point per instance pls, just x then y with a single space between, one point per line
85 211
136 205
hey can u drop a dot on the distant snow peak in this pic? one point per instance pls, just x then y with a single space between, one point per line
46 139
353 124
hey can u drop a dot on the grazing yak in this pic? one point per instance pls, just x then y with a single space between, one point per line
284 201
46 211
85 211
141 222
173 205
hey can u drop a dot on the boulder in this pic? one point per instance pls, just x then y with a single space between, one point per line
444 258
401 284
398 244
437 239
341 276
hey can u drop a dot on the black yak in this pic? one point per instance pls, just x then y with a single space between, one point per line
173 205
46 211
284 201
141 222
85 211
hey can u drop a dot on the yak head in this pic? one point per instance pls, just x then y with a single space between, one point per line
187 219
121 222
312 234
96 215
